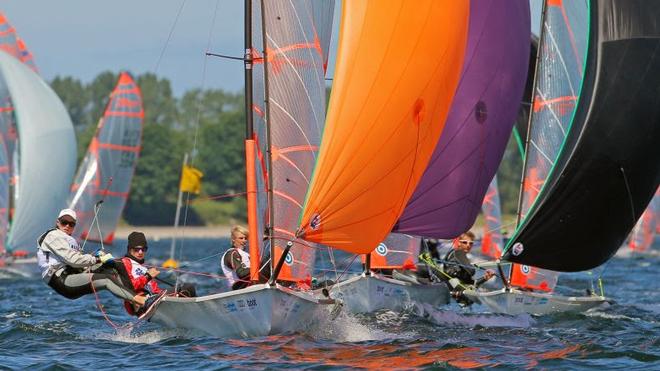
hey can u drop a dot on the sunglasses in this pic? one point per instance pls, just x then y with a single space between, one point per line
143 249
66 223
466 242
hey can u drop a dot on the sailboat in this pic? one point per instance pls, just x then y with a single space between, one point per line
285 106
444 187
107 169
46 154
605 171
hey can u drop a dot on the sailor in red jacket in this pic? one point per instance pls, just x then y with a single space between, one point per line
142 279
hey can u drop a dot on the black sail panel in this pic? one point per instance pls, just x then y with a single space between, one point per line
610 166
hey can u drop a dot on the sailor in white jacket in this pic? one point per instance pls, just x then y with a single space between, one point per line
67 270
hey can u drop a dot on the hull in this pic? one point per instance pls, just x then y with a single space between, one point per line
516 302
258 310
19 267
365 294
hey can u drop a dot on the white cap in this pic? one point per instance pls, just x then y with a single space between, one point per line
68 212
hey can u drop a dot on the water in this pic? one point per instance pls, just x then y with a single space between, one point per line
41 330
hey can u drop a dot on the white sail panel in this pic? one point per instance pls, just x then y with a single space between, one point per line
47 151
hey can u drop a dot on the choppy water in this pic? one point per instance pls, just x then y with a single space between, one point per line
41 330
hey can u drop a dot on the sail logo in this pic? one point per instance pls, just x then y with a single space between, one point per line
525 269
517 249
315 222
289 259
381 249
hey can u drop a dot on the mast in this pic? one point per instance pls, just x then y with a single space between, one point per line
531 114
253 237
271 209
171 262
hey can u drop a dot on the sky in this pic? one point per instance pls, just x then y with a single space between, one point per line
82 38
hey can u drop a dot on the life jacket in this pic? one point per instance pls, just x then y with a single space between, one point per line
49 262
230 273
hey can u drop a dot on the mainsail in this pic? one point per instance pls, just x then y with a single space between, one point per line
448 197
293 121
107 169
606 171
48 151
398 251
492 242
398 65
643 235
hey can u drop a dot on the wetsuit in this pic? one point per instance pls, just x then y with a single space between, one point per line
463 270
69 272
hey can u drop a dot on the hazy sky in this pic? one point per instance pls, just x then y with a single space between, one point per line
82 38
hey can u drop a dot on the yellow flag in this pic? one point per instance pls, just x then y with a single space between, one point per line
191 180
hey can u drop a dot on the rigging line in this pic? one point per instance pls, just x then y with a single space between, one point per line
196 125
169 37
630 198
97 207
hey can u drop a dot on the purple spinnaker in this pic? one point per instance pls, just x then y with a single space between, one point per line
448 197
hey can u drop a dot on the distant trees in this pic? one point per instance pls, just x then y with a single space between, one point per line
210 124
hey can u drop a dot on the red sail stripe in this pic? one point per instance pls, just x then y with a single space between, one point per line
126 114
118 147
106 192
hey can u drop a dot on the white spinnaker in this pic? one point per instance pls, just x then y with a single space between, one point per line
47 152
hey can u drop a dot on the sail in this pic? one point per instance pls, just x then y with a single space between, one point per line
492 242
643 234
323 14
449 195
4 193
398 66
398 251
296 115
47 150
606 171
8 37
107 169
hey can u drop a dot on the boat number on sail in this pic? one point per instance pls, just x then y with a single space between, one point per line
289 259
381 249
524 269
517 248
315 222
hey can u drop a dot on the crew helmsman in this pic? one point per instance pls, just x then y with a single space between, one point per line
67 270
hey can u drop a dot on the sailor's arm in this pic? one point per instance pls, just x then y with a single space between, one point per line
60 247
237 264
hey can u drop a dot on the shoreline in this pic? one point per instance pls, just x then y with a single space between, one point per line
158 232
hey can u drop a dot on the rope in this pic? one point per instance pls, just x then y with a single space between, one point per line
169 37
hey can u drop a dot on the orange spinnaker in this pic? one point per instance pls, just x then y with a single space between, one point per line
398 65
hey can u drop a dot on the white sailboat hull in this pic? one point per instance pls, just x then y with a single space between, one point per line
258 310
516 302
20 267
365 294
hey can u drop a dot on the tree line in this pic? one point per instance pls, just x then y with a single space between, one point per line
209 123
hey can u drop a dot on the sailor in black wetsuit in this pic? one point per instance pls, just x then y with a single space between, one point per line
458 265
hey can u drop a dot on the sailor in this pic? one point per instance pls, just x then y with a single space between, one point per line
458 265
141 279
235 262
68 271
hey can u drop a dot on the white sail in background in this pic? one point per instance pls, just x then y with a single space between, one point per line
47 151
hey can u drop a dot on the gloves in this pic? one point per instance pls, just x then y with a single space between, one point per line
104 258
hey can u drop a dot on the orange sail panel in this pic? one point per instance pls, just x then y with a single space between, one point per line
398 65
107 169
